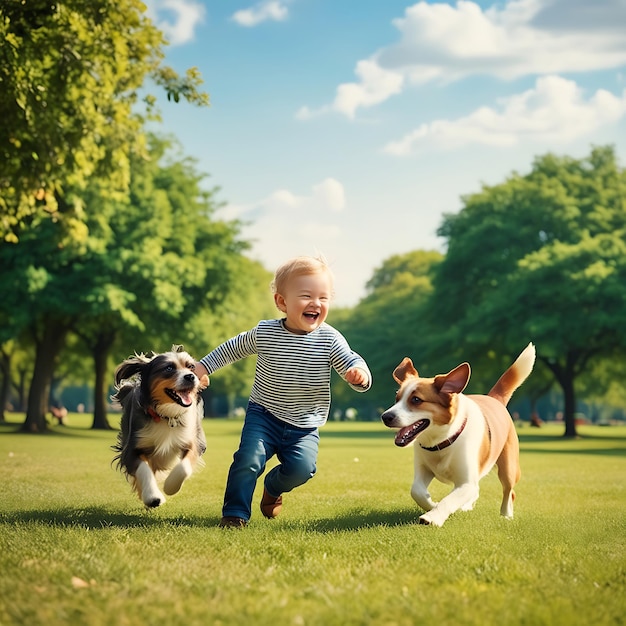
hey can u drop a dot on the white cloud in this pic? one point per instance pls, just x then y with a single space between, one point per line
330 193
305 113
376 85
262 12
177 19
295 224
518 38
507 41
554 110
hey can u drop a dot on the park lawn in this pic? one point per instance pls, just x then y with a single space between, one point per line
76 547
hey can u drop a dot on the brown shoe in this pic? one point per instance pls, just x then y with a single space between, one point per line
233 522
270 506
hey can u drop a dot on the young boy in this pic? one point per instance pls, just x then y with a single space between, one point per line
290 396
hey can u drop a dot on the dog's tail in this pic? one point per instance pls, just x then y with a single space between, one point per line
514 376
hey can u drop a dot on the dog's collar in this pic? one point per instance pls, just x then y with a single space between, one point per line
154 415
448 442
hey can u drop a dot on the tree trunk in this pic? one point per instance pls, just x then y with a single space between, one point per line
564 375
100 356
47 350
5 384
21 390
569 408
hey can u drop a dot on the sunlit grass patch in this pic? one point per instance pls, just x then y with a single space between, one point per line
76 546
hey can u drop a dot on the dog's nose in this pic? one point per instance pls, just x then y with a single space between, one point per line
189 377
388 417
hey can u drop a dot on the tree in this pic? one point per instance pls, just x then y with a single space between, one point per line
389 323
40 276
70 75
6 352
134 272
540 258
604 391
248 301
168 262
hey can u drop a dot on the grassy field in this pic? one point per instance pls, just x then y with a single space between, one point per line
76 547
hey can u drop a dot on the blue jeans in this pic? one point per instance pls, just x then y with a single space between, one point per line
262 437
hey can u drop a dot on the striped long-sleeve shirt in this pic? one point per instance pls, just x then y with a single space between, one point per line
292 378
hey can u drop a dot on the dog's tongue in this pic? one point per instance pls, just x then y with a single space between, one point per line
408 433
185 397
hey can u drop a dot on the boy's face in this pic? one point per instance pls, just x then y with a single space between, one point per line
305 301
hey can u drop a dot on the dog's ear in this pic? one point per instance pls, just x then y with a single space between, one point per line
404 370
176 347
130 367
455 380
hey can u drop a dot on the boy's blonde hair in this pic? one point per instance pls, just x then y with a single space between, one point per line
300 266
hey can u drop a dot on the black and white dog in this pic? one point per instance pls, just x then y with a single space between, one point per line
161 429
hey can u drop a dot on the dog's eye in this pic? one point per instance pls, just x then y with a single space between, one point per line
416 400
169 367
191 366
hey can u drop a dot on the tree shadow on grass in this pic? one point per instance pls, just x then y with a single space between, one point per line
593 451
101 518
383 433
55 432
538 437
598 445
608 444
349 521
98 518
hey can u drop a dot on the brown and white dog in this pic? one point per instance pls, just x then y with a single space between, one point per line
161 428
458 438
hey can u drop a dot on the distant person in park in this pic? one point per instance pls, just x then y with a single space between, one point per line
59 412
290 396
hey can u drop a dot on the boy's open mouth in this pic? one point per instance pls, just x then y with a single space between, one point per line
311 316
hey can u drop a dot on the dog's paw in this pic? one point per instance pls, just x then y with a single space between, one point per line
152 501
152 498
469 506
176 478
152 504
431 519
146 486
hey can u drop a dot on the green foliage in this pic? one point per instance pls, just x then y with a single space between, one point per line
166 253
132 273
247 301
70 76
346 549
389 323
402 269
539 258
165 262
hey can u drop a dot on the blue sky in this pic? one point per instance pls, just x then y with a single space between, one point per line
349 127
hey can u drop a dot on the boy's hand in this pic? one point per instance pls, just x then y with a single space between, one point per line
204 382
201 373
356 376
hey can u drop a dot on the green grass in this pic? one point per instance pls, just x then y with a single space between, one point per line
346 550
